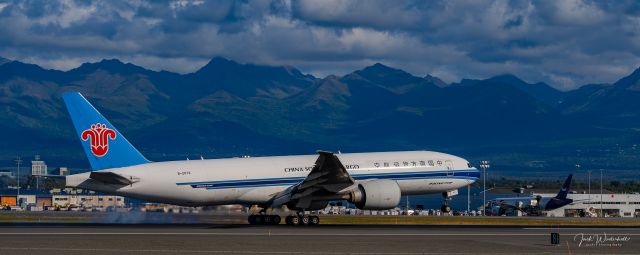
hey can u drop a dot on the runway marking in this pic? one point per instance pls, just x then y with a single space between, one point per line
563 228
293 234
227 252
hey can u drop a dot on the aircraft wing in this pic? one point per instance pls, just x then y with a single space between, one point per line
327 178
514 202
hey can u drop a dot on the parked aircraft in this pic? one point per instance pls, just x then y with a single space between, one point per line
532 205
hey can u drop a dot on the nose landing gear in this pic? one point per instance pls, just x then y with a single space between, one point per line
445 203
445 208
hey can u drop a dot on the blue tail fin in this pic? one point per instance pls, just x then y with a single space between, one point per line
104 145
565 188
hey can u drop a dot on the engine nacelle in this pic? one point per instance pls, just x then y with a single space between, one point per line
376 195
315 205
318 205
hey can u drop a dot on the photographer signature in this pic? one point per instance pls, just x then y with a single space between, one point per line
599 240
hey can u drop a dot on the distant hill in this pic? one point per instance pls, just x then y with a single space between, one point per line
614 106
541 91
229 109
248 80
4 60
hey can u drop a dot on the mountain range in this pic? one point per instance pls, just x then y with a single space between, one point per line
228 108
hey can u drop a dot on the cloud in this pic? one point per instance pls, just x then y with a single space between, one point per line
565 43
377 14
2 6
576 12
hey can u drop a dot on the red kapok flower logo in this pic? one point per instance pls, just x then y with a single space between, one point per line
100 136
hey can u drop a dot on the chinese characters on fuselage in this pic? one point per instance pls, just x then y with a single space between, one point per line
378 164
407 163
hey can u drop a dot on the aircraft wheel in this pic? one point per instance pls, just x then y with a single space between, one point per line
314 220
295 221
275 219
289 220
252 219
304 220
267 219
445 209
259 219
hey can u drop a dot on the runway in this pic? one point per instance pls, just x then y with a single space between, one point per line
323 239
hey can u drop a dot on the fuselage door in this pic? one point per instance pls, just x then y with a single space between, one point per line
449 165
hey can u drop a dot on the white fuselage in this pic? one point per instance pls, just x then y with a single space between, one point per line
256 180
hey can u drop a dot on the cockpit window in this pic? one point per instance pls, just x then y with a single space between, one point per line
469 165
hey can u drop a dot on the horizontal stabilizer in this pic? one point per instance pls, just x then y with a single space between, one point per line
110 178
51 176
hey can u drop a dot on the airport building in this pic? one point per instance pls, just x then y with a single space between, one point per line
63 199
88 201
594 205
8 200
63 171
25 198
38 167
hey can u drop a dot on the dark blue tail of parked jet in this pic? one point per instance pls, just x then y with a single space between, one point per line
562 194
561 199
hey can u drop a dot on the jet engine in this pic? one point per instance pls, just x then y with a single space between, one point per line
376 195
318 205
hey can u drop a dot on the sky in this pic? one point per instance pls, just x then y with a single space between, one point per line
565 43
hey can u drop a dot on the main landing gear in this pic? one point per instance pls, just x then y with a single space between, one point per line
297 220
302 220
445 203
263 219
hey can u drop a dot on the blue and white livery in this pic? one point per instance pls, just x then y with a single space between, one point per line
300 183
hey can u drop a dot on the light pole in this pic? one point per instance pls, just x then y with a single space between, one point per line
469 199
601 200
407 206
18 161
589 185
484 164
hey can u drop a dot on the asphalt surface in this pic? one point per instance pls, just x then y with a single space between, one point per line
322 239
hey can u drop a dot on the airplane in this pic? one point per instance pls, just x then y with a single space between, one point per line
373 181
532 205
